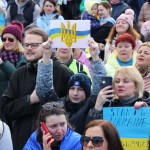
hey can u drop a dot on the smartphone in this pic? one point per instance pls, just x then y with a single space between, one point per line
107 81
45 128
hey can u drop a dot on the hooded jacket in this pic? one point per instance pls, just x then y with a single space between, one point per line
71 141
112 64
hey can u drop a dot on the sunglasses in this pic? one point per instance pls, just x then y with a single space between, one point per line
97 141
9 39
51 105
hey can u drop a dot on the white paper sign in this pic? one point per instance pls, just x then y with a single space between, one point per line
70 33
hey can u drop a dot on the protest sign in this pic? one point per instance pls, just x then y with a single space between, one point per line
132 124
70 33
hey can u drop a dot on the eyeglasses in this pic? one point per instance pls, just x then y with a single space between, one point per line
9 39
33 45
51 105
97 141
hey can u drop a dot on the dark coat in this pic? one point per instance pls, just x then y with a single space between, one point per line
6 70
78 112
101 33
15 100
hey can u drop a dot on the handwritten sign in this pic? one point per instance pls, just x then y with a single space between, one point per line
70 33
133 125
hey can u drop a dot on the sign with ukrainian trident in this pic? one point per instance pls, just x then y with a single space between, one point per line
70 33
132 124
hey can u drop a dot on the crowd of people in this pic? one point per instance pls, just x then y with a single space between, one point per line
62 87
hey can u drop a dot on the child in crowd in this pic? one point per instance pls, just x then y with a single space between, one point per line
91 14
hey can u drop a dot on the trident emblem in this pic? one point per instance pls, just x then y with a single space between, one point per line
68 35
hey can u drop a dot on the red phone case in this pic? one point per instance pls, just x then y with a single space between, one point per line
44 128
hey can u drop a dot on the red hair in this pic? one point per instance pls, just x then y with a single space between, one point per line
126 37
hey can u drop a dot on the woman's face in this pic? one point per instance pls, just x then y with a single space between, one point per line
124 87
92 132
48 7
57 125
76 94
10 42
143 56
103 12
121 26
124 51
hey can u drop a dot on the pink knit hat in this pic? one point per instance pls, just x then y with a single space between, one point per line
15 28
128 16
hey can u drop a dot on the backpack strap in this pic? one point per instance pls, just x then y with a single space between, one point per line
79 66
1 129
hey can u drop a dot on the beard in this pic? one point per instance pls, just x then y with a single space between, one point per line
34 61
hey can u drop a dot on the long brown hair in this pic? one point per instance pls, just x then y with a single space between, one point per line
109 131
130 30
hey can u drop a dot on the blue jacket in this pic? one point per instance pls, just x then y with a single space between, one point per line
95 23
71 141
44 21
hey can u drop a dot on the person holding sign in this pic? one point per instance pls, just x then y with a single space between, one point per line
79 99
128 88
101 135
60 135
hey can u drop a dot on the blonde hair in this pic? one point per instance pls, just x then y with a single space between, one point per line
19 47
133 74
144 70
144 44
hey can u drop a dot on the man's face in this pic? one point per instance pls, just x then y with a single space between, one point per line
32 49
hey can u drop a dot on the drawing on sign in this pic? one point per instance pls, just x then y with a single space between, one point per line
68 35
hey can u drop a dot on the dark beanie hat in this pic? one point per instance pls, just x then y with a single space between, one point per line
15 28
82 80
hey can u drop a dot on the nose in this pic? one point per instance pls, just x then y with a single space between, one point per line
120 83
90 145
59 130
75 92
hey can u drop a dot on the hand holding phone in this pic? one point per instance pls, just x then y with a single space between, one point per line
45 129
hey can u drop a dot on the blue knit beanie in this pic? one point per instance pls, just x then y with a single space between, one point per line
82 80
